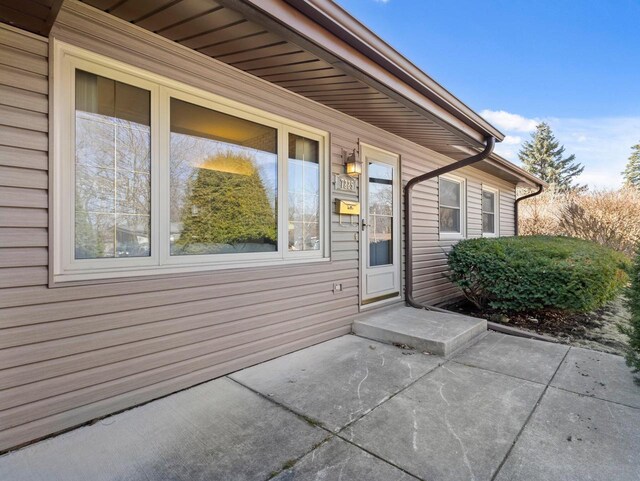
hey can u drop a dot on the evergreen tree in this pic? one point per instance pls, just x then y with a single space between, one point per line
632 171
543 157
227 205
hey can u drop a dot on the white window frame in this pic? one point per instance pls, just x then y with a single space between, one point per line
496 212
463 208
67 58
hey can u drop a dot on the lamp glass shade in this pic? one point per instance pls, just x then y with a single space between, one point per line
353 166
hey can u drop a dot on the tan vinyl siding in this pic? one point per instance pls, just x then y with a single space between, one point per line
73 353
23 159
507 213
431 285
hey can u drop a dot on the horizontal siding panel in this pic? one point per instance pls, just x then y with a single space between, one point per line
344 246
202 359
204 299
22 79
28 178
23 99
17 40
19 217
429 266
25 139
251 354
69 355
164 283
345 255
24 158
19 237
60 366
17 197
23 257
191 344
23 276
507 214
75 337
24 119
23 60
437 291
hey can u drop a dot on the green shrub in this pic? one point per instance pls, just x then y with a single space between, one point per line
632 294
537 272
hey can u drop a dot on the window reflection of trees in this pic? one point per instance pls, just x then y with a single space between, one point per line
450 200
113 187
304 194
380 221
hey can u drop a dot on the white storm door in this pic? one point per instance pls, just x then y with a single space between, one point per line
380 226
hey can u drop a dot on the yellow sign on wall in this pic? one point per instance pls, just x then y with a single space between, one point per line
347 207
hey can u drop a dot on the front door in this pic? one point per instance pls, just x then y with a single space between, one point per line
380 225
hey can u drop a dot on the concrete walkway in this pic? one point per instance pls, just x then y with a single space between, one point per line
504 409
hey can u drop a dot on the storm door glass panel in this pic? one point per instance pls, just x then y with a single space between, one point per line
112 168
380 222
488 212
223 183
450 196
304 194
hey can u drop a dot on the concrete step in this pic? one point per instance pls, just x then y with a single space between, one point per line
428 331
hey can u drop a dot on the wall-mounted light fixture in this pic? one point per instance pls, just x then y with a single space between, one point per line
352 163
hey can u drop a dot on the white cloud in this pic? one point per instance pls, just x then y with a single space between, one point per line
509 122
602 145
600 179
508 151
512 140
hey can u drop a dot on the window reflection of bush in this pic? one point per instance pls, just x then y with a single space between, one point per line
226 208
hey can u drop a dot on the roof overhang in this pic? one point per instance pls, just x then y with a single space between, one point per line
346 27
35 17
315 49
504 169
328 31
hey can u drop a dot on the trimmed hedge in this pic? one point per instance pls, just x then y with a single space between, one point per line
633 304
537 272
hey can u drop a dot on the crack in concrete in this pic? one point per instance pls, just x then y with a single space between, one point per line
415 431
360 383
410 370
442 394
464 450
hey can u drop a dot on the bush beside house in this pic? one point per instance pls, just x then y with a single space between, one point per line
633 304
534 273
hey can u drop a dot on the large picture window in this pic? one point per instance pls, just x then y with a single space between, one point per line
223 183
153 176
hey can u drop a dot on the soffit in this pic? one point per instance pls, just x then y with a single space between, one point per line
226 34
35 16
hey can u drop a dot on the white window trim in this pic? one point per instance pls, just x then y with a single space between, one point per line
463 208
66 58
496 213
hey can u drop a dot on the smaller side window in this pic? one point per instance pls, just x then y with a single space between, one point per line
451 207
489 212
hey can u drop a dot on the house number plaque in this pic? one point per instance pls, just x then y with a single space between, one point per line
345 183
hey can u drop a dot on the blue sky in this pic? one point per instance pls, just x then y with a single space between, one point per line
574 64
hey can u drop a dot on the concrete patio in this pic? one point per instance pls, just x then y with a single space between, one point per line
504 408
